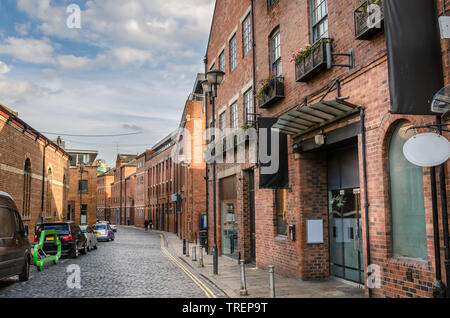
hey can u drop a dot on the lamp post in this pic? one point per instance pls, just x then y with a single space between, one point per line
81 187
213 78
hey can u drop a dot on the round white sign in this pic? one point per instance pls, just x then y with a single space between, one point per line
427 150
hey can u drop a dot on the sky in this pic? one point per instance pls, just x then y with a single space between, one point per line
129 68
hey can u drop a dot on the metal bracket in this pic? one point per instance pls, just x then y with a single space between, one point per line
330 61
437 127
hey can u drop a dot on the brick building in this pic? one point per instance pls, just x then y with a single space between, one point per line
125 167
190 171
82 202
23 152
141 198
82 205
160 175
104 181
230 49
343 142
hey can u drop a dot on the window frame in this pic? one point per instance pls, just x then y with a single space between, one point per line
233 53
247 40
274 49
248 102
222 63
314 24
278 192
234 121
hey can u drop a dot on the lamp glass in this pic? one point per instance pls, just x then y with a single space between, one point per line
206 86
215 77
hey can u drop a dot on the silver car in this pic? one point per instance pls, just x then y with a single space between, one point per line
91 237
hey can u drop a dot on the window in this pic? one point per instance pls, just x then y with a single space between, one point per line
83 216
407 201
270 3
83 186
275 53
234 119
248 106
280 202
222 61
247 34
222 122
6 229
233 55
319 20
48 210
26 189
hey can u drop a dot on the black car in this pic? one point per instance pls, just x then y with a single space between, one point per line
72 238
15 256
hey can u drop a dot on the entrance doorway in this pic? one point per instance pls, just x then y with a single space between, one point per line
345 228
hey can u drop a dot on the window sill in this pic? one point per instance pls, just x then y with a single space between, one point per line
281 238
409 262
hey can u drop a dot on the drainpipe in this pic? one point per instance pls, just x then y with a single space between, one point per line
443 191
438 287
366 195
43 183
205 60
254 59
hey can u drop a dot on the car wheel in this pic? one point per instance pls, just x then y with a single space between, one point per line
25 275
95 246
85 249
75 252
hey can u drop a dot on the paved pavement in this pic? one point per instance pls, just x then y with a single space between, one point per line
134 265
229 281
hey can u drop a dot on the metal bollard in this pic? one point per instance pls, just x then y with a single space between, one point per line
272 281
200 257
194 253
184 246
243 291
187 248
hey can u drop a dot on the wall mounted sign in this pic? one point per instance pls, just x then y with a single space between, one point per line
427 150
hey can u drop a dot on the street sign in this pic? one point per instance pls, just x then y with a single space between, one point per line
427 150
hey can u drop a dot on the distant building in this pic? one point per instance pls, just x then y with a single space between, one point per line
82 205
104 181
125 167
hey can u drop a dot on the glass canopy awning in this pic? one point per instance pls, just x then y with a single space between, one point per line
304 119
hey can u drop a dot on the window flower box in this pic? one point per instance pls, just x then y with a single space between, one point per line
271 91
311 61
365 28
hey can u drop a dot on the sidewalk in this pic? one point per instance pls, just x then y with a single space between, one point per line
229 280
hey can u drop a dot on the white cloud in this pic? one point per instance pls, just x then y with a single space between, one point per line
4 68
28 50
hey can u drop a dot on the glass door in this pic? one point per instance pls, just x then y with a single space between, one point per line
229 230
346 257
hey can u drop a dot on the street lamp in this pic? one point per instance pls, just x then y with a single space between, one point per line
213 78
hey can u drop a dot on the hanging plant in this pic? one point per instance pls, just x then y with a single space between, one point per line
266 84
299 55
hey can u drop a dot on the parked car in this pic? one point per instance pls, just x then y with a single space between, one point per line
90 236
104 232
72 238
15 249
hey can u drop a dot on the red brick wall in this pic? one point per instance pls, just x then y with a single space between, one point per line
15 148
366 85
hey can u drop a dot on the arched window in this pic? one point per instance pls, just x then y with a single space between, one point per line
26 189
407 200
48 209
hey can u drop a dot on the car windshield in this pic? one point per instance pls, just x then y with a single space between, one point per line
100 227
61 229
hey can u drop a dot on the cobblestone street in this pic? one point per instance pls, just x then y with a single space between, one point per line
131 266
